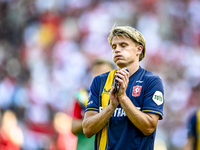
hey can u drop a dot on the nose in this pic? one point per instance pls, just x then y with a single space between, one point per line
117 49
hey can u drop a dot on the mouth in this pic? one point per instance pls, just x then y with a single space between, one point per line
118 56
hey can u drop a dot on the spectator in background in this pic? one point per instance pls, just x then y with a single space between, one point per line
64 140
193 142
11 136
99 66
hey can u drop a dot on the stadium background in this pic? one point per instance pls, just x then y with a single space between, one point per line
47 46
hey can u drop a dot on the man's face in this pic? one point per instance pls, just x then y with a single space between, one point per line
124 51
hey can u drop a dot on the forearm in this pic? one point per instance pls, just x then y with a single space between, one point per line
93 123
142 121
77 126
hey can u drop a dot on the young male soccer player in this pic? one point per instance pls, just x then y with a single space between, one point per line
128 118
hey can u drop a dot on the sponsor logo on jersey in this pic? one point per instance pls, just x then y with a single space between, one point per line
158 98
136 90
106 91
119 112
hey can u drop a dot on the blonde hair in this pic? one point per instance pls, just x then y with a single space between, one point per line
130 32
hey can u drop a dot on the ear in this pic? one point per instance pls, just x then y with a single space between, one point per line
139 49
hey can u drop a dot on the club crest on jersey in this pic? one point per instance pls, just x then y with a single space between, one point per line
136 90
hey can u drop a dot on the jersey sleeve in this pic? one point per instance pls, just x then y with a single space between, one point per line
154 96
93 102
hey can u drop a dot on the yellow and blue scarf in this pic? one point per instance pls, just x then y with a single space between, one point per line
102 136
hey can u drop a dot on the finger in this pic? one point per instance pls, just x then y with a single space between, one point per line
121 77
112 89
125 74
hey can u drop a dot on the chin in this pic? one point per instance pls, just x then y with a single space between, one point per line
120 65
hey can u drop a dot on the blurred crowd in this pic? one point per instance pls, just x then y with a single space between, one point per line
47 48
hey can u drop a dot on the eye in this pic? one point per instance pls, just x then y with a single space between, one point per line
113 46
123 45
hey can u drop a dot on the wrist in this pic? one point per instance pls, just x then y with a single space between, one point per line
122 97
112 107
